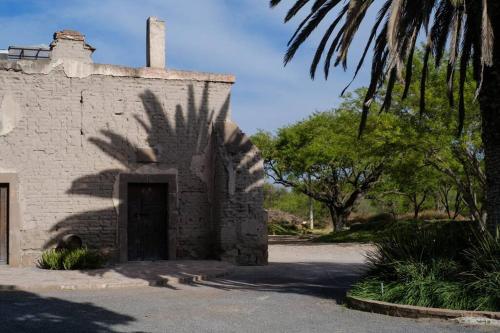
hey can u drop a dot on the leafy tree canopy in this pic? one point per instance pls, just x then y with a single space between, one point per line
323 158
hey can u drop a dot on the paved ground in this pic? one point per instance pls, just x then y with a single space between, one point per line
134 274
297 292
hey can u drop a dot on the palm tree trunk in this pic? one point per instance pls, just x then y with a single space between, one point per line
490 113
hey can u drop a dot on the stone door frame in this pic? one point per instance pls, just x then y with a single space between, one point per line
171 181
14 232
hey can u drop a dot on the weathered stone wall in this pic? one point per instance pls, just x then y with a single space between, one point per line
240 220
74 127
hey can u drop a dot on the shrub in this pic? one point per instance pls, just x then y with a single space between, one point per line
357 219
52 259
446 264
483 270
282 229
427 215
423 242
81 258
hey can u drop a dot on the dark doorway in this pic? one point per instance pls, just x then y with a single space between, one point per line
147 226
4 223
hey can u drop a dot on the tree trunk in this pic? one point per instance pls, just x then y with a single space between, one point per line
416 209
417 205
341 221
311 214
339 217
489 100
333 216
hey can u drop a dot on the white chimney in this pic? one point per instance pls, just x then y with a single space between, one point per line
155 43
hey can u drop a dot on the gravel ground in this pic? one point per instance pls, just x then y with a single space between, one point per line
299 291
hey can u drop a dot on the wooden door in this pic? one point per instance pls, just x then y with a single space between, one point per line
4 223
147 235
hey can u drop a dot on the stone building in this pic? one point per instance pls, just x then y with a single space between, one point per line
141 163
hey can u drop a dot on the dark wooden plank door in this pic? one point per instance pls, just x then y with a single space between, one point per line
4 223
147 222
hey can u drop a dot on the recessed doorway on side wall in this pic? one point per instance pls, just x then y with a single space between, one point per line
4 224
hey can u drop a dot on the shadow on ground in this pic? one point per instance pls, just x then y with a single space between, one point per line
319 279
27 312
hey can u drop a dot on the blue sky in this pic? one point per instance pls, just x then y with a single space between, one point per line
242 37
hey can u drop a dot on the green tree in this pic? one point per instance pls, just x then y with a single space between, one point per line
415 181
466 28
316 157
293 202
459 160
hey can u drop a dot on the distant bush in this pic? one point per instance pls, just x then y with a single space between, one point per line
428 215
377 229
362 219
282 229
64 259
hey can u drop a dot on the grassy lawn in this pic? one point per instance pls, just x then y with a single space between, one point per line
362 233
350 236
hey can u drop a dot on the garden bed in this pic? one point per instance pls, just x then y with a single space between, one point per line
450 265
409 311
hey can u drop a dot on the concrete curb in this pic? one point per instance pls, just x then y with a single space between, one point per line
409 311
168 282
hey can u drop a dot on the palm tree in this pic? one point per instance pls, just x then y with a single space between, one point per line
462 31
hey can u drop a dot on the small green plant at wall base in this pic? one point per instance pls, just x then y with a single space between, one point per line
82 258
51 259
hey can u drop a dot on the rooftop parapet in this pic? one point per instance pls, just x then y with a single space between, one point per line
70 44
69 52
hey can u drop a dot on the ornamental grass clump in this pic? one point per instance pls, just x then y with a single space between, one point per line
282 229
445 265
51 259
64 259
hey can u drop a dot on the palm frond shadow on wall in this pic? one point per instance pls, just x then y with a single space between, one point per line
170 137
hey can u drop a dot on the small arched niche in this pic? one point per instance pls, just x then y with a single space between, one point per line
10 112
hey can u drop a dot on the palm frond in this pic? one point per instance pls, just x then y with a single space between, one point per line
456 32
310 26
378 65
383 11
487 37
423 81
295 9
274 3
464 60
388 94
462 26
322 45
409 64
443 22
355 15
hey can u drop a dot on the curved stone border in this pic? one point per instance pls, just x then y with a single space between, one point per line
409 311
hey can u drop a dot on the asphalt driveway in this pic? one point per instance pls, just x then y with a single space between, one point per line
299 291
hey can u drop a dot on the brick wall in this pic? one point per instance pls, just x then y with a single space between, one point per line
76 131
